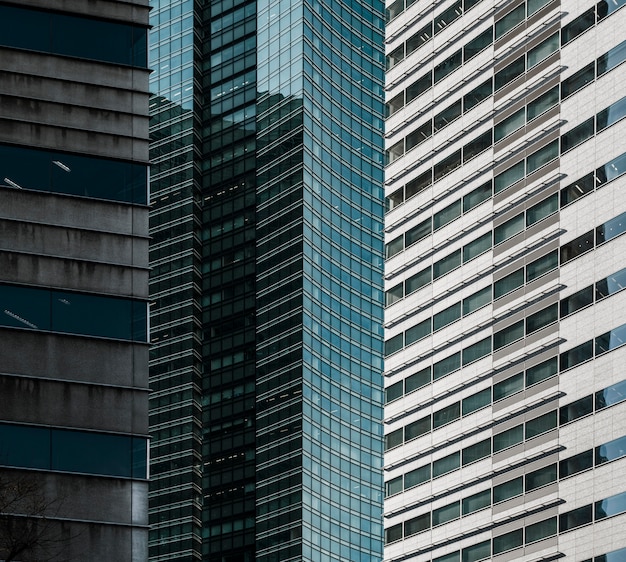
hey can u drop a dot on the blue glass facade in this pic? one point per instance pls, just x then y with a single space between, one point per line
290 168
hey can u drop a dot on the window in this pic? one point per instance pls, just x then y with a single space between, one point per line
447 165
476 351
542 157
509 125
448 16
610 506
508 541
447 215
535 5
510 20
610 340
475 46
578 26
540 530
421 37
393 534
394 247
508 490
575 302
477 300
611 59
447 415
419 87
541 477
542 266
419 135
508 335
419 184
576 355
393 392
447 115
477 247
542 318
577 247
476 452
394 294
578 189
606 8
611 229
446 464
477 196
543 209
578 80
448 66
542 51
418 280
509 283
509 73
395 199
416 477
395 152
476 552
417 525
447 316
542 371
575 518
476 401
611 115
508 229
508 438
447 366
614 394
611 170
394 439
507 178
446 513
394 344
543 103
447 264
540 425
577 135
418 232
476 502
508 387
478 145
575 410
393 487
478 94
610 451
417 380
611 285
454 557
417 332
395 57
575 464
417 428
395 104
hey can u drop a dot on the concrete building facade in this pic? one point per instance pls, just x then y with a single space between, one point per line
73 279
505 413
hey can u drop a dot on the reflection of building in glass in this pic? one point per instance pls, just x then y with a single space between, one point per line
73 280
504 275
266 282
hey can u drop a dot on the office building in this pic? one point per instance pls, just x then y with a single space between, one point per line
505 422
73 280
266 282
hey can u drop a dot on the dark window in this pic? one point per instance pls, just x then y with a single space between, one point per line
509 283
510 176
448 16
447 415
418 39
448 66
508 541
447 264
394 344
393 487
575 410
542 318
393 392
394 294
508 438
542 371
447 316
610 340
508 335
542 266
611 115
510 20
476 552
393 534
447 366
541 530
476 452
417 525
395 199
418 232
542 156
477 247
510 73
541 477
477 300
418 280
447 165
509 125
419 184
394 9
610 506
417 380
578 189
610 60
577 135
508 229
477 196
448 115
543 103
578 80
543 209
614 394
508 387
611 229
575 302
575 518
417 332
478 94
446 513
476 351
610 451
416 477
476 502
611 170
447 215
576 464
476 45
577 355
540 425
478 145
419 87
578 26
417 428
476 401
394 439
508 490
611 285
394 247
395 56
394 104
446 464
577 247
419 135
542 51
606 8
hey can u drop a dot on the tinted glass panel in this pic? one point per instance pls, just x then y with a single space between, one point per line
393 392
394 439
448 16
543 103
612 170
476 502
449 65
418 232
446 264
475 46
419 135
476 401
477 95
541 424
475 351
508 283
508 387
415 41
447 316
611 229
476 552
416 477
477 300
508 229
447 165
418 380
394 344
418 280
510 20
575 410
578 80
542 51
417 525
394 294
508 335
612 395
447 415
541 477
24 446
610 451
610 340
393 534
542 371
610 60
542 210
446 513
577 355
446 366
611 285
575 302
419 87
575 518
417 332
418 184
577 135
611 115
576 464
542 318
508 438
542 157
477 247
447 115
605 8
578 189
508 541
509 177
476 452
478 145
510 73
541 530
508 490
476 197
542 265
446 464
510 124
393 487
610 506
576 27
447 215
417 428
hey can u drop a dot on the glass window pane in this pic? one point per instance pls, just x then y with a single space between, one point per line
610 451
508 387
393 487
478 94
448 115
395 57
542 51
542 157
510 73
394 294
575 410
541 477
509 177
575 518
477 247
446 264
447 415
446 464
510 20
577 355
476 452
394 533
448 16
394 247
541 372
578 80
418 232
419 38
395 104
454 556
613 394
417 428
508 438
508 541
417 380
508 490
610 340
476 552
611 285
542 266
447 215
509 125
610 506
447 366
478 145
578 26
578 189
508 229
509 283
394 439
477 196
611 59
419 87
418 280
447 316
395 152
416 477
476 502
475 46
417 525
393 392
543 103
477 300
542 209
475 351
417 332
25 307
612 170
419 184
395 199
535 5
606 8
541 530
575 302
577 135
508 335
476 401
611 229
418 136
540 425
542 318
611 115
447 165
446 513
24 446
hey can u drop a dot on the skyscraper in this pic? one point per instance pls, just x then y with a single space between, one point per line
266 285
73 280
505 430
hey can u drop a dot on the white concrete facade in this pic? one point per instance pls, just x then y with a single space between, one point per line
486 252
